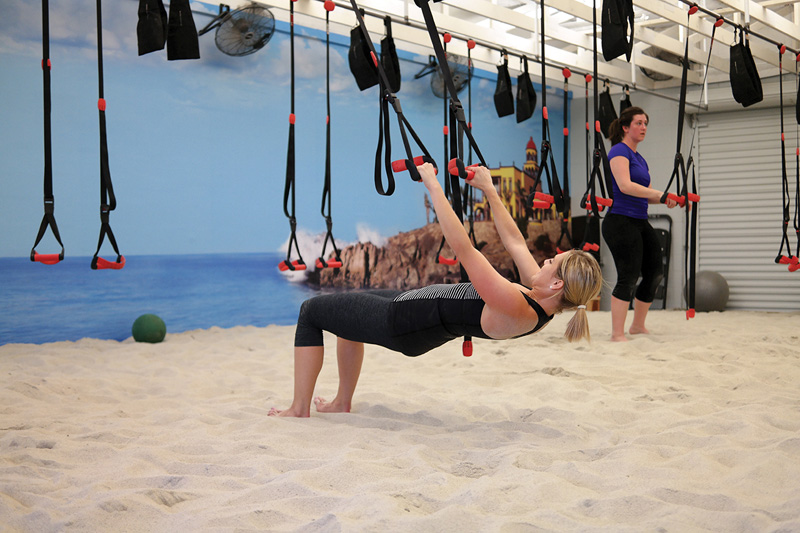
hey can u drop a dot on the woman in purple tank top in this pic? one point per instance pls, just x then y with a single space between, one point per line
630 237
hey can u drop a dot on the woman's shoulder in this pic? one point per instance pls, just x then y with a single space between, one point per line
620 149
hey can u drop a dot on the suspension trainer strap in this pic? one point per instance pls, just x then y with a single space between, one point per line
108 201
326 188
289 187
692 197
687 193
690 263
679 165
455 103
795 263
565 212
469 193
600 166
440 259
548 166
387 97
458 128
785 197
48 220
588 143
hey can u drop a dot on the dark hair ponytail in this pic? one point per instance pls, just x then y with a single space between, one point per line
615 132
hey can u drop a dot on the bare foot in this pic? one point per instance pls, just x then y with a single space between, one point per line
288 413
619 338
639 330
324 406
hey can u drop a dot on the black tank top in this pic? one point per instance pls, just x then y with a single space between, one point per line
422 319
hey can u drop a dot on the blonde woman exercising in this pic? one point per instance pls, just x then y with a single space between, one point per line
414 322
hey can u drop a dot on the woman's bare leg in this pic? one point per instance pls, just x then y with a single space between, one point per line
307 364
639 315
619 310
350 356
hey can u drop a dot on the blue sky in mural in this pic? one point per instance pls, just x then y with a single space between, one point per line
198 148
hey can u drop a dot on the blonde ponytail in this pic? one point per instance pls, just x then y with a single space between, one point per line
583 280
578 326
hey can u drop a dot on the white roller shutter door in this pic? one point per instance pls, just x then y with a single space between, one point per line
740 216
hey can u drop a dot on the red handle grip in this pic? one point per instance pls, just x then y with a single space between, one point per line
600 201
402 164
452 167
294 265
333 263
47 259
680 200
689 314
591 247
466 348
604 201
445 261
694 198
104 264
544 197
538 204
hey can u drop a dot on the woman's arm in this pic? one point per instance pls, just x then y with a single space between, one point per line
498 293
507 228
621 170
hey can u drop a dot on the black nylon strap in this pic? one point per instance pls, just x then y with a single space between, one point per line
289 184
548 164
48 219
108 201
680 174
458 128
785 196
679 167
797 183
565 233
690 265
326 188
600 165
447 76
384 130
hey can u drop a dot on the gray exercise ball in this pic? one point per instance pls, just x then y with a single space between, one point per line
711 291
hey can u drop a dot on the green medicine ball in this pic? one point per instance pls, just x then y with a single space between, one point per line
149 328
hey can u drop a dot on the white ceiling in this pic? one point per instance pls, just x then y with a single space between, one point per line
660 30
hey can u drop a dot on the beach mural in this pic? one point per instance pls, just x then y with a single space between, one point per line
197 153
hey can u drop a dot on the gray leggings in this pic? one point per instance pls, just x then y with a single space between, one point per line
361 316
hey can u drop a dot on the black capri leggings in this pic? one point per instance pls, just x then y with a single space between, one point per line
356 316
636 250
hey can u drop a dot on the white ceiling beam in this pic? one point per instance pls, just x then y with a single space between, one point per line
416 39
702 24
790 30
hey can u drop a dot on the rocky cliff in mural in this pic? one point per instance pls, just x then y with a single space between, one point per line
408 260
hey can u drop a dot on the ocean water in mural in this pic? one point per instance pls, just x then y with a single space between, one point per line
69 301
